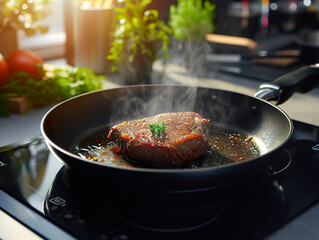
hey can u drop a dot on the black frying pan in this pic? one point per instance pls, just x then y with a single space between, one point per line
67 123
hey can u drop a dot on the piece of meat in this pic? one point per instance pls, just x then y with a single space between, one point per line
182 141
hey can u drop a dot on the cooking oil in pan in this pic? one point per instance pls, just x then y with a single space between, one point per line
225 147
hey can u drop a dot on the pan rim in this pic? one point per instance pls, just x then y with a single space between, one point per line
164 170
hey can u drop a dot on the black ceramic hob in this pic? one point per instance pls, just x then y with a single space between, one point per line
56 203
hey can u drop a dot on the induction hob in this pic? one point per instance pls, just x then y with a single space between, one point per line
56 203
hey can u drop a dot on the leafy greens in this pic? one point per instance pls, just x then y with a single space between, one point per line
56 86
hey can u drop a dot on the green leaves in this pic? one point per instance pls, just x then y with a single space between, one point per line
60 85
77 81
145 3
191 19
23 14
138 30
157 129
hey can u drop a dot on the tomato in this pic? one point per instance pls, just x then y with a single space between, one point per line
25 61
4 71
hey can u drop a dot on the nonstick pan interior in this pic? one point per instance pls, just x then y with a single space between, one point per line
73 119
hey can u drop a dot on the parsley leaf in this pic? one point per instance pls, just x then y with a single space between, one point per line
157 129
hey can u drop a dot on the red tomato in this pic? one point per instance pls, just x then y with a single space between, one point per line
25 61
4 71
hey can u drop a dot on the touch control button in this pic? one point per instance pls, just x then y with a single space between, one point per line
57 201
2 164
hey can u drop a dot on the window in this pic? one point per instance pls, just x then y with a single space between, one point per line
52 44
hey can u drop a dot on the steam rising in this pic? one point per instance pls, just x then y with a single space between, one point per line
192 56
190 63
150 102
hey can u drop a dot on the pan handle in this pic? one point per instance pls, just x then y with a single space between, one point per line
280 90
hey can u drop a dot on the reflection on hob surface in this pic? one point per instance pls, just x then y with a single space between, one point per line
90 208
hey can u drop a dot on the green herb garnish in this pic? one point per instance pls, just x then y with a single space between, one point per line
157 129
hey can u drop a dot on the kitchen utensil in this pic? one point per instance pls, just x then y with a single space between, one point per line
258 54
277 58
68 122
240 44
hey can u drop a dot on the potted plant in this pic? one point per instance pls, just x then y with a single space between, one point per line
190 20
22 15
140 38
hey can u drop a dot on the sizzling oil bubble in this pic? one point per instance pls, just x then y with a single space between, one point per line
262 147
104 154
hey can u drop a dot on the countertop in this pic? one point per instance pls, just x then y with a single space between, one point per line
302 107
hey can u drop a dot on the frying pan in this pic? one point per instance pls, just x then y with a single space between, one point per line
68 122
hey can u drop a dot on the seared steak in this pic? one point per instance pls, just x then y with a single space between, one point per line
183 139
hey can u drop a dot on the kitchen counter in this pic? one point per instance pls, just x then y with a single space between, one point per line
302 107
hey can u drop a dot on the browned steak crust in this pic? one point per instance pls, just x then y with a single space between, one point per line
182 141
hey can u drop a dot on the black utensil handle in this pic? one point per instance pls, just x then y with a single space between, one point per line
301 80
